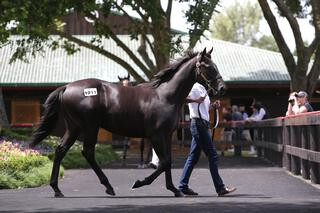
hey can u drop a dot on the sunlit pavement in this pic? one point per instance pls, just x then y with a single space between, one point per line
260 188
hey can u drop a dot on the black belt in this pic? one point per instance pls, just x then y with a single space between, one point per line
207 123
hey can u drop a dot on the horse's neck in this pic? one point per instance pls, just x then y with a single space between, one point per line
177 89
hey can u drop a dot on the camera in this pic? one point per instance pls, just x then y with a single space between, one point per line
291 100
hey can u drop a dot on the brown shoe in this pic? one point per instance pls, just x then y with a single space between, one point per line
226 190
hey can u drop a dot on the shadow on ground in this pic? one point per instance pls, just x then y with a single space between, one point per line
178 162
196 206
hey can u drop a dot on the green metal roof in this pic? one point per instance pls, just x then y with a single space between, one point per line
237 63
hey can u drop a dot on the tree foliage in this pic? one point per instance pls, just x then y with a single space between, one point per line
37 20
302 78
265 42
240 23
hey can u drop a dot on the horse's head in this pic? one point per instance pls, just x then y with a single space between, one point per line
208 75
125 80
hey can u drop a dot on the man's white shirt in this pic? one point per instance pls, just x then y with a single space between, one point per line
198 91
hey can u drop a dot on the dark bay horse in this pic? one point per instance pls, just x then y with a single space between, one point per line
149 110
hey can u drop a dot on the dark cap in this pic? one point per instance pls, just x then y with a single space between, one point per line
301 94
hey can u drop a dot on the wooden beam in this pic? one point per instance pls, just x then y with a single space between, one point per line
310 155
269 145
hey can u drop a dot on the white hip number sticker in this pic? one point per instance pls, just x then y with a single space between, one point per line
90 92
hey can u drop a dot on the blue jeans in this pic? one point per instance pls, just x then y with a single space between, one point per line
201 140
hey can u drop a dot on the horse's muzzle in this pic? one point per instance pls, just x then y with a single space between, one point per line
222 90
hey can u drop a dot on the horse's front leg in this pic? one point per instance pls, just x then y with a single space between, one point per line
167 168
163 150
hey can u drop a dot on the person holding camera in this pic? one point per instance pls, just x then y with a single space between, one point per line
298 103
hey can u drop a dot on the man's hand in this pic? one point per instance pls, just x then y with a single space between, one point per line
216 104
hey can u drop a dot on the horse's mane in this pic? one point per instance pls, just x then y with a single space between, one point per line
167 73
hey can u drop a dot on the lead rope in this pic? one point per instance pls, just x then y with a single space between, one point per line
216 117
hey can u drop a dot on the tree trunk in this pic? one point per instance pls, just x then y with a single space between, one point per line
162 37
297 69
3 115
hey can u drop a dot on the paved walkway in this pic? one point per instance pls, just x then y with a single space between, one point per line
261 188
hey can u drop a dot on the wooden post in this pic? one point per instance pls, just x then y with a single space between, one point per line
305 169
279 140
265 136
257 135
237 148
315 146
286 158
295 137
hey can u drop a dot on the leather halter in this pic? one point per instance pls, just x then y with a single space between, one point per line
208 82
200 73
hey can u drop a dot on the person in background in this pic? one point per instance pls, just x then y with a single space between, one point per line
227 131
155 160
237 132
236 115
259 113
242 110
199 103
126 83
298 103
245 133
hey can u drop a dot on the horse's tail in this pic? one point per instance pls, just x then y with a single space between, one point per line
49 117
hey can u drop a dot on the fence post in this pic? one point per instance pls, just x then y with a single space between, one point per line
279 140
238 137
286 141
314 145
305 169
295 137
257 135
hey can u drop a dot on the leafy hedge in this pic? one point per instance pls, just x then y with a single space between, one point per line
22 134
23 168
104 154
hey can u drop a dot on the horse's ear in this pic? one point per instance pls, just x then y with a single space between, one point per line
128 77
204 52
210 51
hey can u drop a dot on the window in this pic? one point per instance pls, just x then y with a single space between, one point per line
25 112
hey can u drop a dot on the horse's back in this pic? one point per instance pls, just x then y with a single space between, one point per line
119 109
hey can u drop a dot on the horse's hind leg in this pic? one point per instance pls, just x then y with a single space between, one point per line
148 180
66 142
163 150
90 140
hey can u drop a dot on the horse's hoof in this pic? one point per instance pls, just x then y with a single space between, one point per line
179 194
58 195
110 191
137 184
